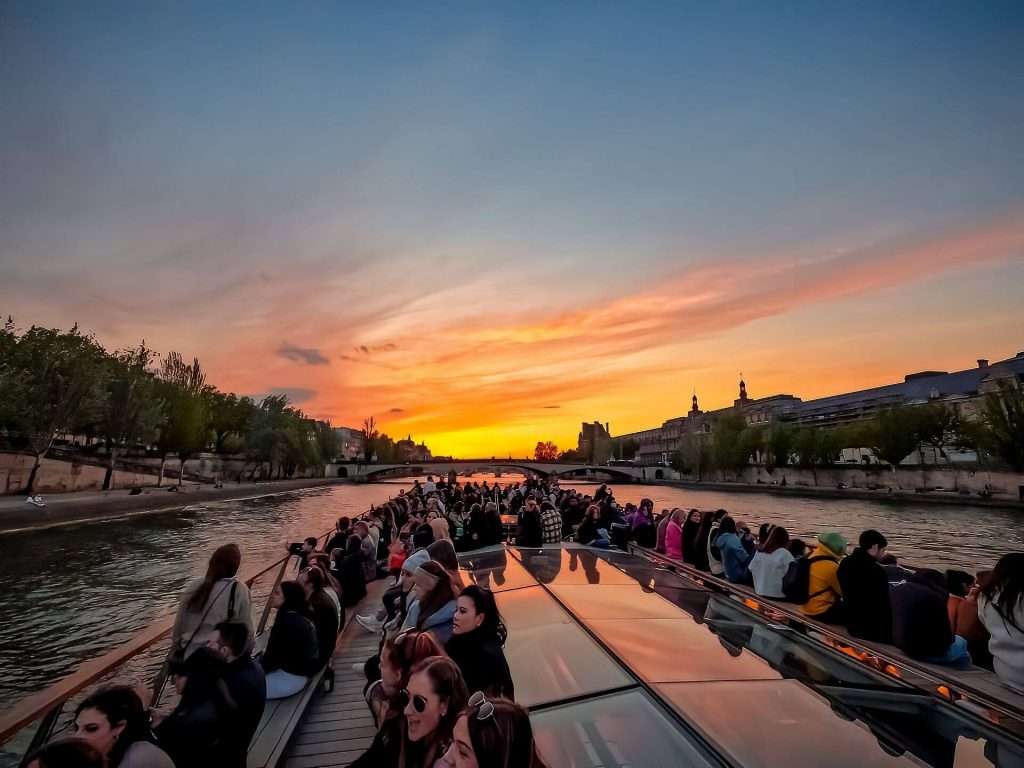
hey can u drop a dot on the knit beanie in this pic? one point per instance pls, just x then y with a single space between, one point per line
425 580
415 560
833 541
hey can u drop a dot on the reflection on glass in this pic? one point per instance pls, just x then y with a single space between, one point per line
552 662
677 650
624 730
615 601
786 723
570 565
495 571
529 607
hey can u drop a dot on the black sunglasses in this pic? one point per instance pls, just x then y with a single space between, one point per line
418 702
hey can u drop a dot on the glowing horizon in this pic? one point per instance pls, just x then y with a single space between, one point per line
486 227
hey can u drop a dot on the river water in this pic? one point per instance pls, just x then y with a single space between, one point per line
68 594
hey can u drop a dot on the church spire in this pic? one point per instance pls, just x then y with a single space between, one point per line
743 387
695 409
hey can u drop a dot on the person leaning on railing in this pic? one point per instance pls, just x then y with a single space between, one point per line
217 597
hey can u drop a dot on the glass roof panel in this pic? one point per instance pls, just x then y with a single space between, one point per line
551 662
495 570
622 730
773 723
574 565
529 607
615 601
678 650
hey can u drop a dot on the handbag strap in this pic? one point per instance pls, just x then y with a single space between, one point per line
209 605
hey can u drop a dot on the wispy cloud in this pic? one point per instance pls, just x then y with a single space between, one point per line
305 355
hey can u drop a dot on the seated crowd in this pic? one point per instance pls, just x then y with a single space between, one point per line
439 688
949 618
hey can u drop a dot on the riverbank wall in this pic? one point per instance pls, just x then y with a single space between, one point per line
70 474
16 515
906 485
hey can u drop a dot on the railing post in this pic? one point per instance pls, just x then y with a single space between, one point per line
266 608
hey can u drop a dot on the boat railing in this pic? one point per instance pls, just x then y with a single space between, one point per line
141 660
943 684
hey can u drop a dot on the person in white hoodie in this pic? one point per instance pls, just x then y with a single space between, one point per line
1001 610
770 563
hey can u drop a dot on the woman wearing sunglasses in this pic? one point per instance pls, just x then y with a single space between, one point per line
476 643
493 733
398 656
434 698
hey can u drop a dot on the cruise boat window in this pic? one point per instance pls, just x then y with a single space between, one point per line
624 730
570 565
529 607
495 570
616 601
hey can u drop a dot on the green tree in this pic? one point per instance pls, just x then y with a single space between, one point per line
326 441
370 436
893 435
938 426
185 420
1002 420
780 444
732 446
131 409
53 383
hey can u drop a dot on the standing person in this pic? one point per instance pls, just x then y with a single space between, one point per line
865 589
824 592
771 562
435 696
292 654
920 622
351 574
493 732
114 721
550 523
368 547
216 597
246 693
476 644
674 534
690 529
531 529
1001 610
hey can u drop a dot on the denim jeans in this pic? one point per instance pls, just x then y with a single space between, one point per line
956 655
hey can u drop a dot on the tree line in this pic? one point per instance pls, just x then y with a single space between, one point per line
55 382
997 436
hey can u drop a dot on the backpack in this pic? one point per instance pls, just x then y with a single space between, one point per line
796 584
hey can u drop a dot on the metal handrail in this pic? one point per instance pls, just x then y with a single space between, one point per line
40 704
944 688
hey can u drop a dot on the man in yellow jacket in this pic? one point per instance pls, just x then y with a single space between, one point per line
825 596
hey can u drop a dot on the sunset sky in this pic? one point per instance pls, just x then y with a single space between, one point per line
483 224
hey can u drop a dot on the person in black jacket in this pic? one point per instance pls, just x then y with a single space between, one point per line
192 731
244 690
531 528
339 538
476 643
866 589
292 654
920 622
349 572
324 613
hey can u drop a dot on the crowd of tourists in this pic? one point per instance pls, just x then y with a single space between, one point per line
952 618
439 688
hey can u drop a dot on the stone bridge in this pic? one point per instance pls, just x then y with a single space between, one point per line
371 472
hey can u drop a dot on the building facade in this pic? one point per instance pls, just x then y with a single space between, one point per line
351 445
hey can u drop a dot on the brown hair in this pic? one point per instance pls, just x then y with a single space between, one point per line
405 650
504 740
778 538
223 564
447 684
70 752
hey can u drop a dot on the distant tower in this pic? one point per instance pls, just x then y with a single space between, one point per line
743 389
695 409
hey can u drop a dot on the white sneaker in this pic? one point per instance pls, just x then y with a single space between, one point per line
370 623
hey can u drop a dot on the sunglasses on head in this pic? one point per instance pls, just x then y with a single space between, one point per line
419 703
481 706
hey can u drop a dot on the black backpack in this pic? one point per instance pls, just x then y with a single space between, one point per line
796 584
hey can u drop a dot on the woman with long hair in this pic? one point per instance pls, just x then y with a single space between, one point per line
476 643
493 733
434 697
770 563
433 608
700 545
690 528
350 572
114 721
1001 610
443 551
292 654
399 654
326 614
674 534
216 597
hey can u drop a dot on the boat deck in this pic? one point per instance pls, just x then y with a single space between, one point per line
337 727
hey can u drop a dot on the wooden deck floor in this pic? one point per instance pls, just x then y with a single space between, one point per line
337 726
